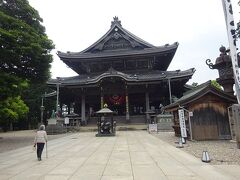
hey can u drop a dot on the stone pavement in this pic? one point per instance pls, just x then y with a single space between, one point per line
130 155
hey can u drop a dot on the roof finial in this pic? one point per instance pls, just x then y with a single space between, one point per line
116 21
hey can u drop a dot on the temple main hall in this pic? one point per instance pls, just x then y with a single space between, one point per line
124 72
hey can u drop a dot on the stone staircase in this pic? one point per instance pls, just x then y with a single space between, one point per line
119 127
137 119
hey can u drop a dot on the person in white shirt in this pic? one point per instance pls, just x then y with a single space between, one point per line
40 140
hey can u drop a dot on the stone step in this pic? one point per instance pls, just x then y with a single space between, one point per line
120 127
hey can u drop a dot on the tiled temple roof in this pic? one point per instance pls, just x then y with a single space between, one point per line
119 43
136 76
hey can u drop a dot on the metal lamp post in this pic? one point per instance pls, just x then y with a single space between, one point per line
57 101
42 110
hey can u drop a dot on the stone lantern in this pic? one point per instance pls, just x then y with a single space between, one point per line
224 66
106 126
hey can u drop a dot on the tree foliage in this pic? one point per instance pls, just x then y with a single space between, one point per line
24 56
25 48
12 109
11 86
216 84
32 97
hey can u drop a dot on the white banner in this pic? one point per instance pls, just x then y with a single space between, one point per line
66 120
228 13
182 123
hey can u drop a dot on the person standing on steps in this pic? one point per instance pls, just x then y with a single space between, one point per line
40 140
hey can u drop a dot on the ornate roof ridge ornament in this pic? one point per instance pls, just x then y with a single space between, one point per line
116 21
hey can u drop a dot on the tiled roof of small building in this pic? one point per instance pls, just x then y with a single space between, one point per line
198 92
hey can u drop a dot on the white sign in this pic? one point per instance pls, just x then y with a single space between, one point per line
66 120
152 128
190 113
182 123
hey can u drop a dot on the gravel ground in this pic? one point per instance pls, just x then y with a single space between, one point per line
17 139
220 152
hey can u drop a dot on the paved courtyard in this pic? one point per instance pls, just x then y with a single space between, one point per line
131 155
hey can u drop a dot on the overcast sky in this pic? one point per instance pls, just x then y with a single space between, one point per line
198 26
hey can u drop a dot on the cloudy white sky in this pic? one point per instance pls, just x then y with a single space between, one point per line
198 26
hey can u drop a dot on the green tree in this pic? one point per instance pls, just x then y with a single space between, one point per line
25 48
24 53
216 84
32 97
11 86
12 109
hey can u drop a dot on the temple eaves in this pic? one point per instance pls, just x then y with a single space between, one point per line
149 77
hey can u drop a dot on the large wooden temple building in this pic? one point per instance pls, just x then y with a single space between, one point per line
123 71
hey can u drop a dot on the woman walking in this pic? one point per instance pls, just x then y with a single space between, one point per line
40 140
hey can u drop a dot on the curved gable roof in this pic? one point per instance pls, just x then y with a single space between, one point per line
117 30
200 91
119 43
117 39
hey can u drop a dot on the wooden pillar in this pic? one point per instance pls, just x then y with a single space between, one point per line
102 98
147 106
83 110
170 92
127 106
57 101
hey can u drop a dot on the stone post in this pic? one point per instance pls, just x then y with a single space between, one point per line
127 106
147 106
83 110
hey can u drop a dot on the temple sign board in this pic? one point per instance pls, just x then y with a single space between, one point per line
165 122
182 123
52 121
152 128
